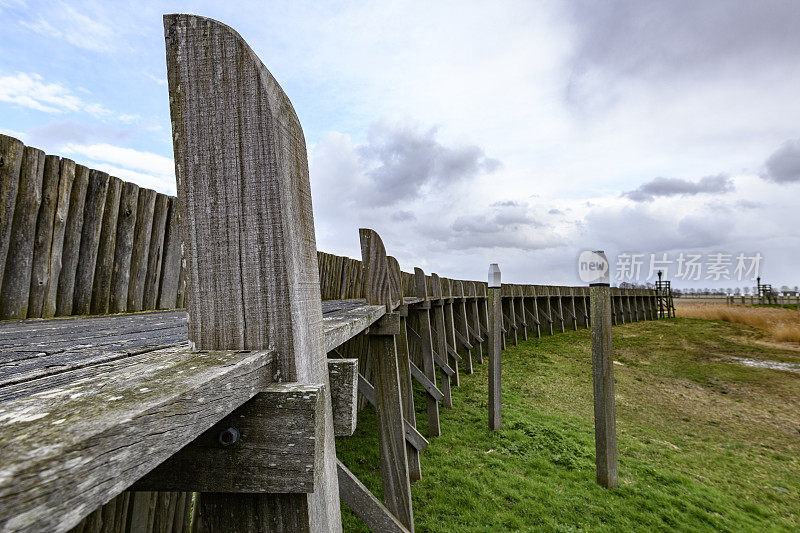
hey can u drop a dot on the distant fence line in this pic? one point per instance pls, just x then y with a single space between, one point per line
77 241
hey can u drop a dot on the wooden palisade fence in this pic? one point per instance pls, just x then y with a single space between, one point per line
117 423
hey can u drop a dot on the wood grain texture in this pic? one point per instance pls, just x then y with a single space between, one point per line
90 241
123 248
155 254
19 260
43 241
65 181
603 379
494 346
63 456
104 267
242 171
171 266
72 242
11 151
145 207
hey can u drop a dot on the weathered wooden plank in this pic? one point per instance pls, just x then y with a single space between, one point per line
72 242
11 151
62 457
17 276
242 170
90 240
43 240
123 248
365 505
343 326
65 181
104 266
156 253
343 376
141 248
171 267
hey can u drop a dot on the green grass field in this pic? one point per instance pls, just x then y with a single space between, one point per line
705 443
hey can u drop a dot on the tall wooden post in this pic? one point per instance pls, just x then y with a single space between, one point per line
251 258
605 432
386 378
495 334
404 368
440 346
428 364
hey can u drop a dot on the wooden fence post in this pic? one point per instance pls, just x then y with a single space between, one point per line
388 397
605 432
65 181
16 281
72 242
40 269
440 346
242 171
495 333
11 151
404 368
428 364
475 312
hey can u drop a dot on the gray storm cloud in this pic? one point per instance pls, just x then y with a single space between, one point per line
402 162
662 187
783 166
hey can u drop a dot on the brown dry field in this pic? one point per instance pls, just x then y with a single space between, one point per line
781 325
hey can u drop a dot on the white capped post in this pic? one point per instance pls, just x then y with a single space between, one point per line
495 325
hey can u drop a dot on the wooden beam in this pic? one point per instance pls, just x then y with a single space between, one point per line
366 506
69 456
430 387
272 444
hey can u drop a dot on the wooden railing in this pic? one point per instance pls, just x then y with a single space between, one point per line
229 409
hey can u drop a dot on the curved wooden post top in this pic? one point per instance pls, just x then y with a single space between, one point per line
377 282
420 284
395 280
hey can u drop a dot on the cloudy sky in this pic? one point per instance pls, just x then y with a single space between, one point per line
466 133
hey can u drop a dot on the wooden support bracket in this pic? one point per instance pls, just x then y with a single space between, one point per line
271 444
343 377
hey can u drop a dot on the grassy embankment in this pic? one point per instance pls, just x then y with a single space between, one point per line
705 443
